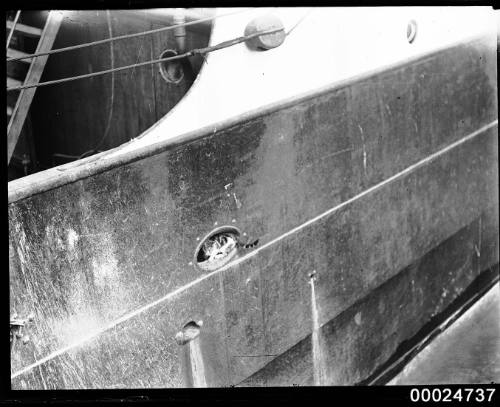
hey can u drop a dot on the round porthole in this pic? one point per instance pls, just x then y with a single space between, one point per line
217 248
171 71
411 31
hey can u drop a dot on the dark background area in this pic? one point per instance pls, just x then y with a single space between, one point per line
70 119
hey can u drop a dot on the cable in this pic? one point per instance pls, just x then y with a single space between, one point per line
300 21
11 32
199 51
112 99
123 37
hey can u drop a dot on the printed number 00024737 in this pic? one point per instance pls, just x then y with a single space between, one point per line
444 395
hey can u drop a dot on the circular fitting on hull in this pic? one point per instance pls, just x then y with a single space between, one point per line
171 71
266 41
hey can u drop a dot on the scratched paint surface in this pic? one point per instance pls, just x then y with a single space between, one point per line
351 256
467 352
85 254
365 335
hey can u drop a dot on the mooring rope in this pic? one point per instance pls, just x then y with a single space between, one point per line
123 37
199 51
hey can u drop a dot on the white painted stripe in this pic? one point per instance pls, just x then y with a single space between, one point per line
256 251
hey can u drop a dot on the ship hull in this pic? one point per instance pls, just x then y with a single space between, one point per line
383 187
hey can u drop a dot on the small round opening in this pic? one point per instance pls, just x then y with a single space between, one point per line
411 31
217 248
171 71
189 332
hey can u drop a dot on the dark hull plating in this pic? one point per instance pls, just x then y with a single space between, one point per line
387 259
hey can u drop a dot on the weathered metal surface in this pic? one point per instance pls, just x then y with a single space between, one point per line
352 255
467 352
86 256
365 335
143 352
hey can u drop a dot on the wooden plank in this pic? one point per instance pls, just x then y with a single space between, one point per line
34 73
11 32
25 29
14 53
13 82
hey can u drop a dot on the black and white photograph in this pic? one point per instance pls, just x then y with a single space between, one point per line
254 197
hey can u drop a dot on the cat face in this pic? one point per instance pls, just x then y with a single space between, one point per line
219 246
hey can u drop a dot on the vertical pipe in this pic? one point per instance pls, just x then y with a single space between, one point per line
180 32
